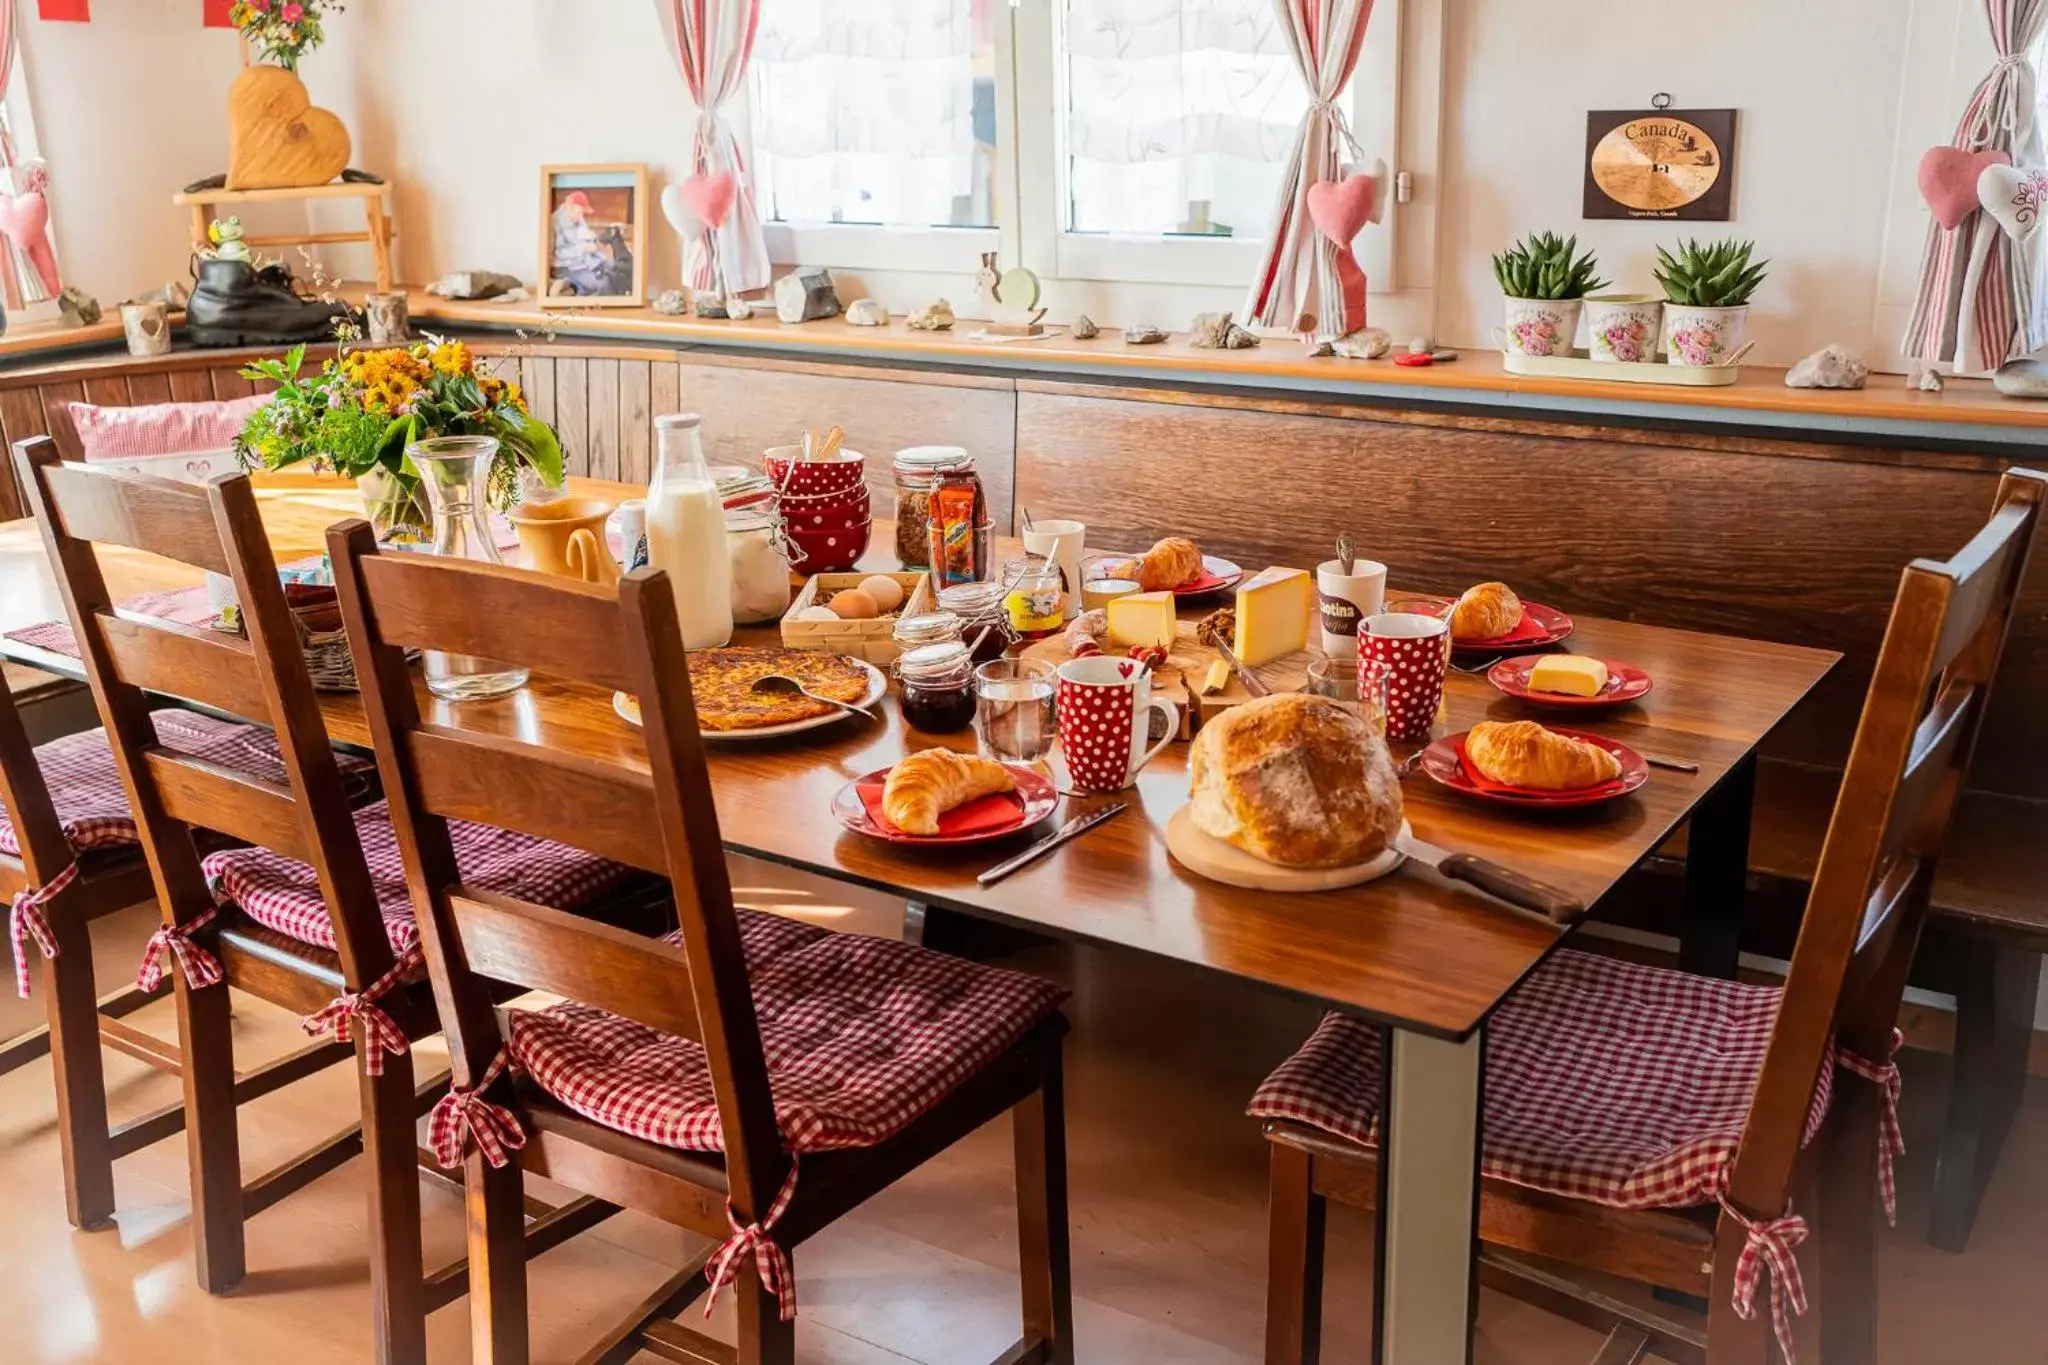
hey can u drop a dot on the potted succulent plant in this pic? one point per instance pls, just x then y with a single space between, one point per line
1544 279
1707 288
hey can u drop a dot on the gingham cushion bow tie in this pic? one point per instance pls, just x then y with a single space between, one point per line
771 1262
1891 1138
175 941
463 1114
1770 1242
380 1030
26 920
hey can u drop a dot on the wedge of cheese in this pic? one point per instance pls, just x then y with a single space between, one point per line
1273 610
1142 618
1215 680
1573 675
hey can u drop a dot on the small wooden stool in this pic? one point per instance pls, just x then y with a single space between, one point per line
205 206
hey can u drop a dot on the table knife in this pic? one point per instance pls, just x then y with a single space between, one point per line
1524 893
1251 681
1079 825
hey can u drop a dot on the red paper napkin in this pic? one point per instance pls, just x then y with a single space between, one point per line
987 815
1527 631
1202 582
1611 787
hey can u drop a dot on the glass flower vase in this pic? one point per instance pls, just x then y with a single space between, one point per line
455 472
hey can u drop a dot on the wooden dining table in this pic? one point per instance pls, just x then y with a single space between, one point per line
1427 959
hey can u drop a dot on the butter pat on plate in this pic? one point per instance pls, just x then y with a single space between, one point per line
1273 609
1572 675
1142 618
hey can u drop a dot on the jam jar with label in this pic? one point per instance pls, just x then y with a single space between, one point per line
938 687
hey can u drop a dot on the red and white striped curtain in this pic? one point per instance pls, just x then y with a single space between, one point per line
1299 285
1979 303
712 41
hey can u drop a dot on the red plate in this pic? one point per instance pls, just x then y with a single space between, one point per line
1217 573
1442 761
1540 626
1034 799
1625 682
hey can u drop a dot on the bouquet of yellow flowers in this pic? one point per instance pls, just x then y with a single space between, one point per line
362 409
285 30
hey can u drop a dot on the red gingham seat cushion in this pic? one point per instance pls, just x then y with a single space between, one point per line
284 893
861 1036
1605 1081
86 791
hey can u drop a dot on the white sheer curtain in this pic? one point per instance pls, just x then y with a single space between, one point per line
864 112
1173 105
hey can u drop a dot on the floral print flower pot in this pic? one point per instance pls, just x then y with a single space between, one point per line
1623 327
1541 326
1703 336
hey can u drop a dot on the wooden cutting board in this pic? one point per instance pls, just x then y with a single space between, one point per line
1206 856
1187 662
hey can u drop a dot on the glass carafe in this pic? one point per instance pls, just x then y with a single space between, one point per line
686 533
455 472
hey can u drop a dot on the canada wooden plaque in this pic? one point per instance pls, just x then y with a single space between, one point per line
1660 163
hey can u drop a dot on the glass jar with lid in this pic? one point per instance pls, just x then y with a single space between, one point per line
918 472
760 558
926 628
938 687
980 605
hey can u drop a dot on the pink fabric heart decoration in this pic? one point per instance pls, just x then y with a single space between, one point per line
1948 181
2014 198
25 220
1340 209
710 197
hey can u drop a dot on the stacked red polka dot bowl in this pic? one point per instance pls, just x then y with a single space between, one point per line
825 506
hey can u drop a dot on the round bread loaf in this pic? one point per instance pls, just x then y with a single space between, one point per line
1296 780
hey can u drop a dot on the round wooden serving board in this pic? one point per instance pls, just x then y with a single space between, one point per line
1209 857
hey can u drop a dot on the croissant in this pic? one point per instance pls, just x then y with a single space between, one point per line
1486 612
927 784
1172 562
1522 753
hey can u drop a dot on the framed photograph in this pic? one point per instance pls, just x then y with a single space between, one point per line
593 236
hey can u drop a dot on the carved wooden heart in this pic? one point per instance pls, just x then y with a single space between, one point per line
276 138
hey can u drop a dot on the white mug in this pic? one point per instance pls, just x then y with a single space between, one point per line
1105 707
1062 540
1346 599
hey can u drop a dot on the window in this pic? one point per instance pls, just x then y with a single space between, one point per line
880 113
1099 142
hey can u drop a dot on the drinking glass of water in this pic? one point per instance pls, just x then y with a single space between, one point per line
1013 709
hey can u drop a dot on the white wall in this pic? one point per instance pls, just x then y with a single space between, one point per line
460 102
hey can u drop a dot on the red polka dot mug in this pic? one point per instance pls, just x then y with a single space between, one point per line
1416 651
1102 736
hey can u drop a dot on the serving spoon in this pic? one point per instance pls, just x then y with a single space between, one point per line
781 684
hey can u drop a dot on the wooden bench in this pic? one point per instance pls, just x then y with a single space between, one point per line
1984 944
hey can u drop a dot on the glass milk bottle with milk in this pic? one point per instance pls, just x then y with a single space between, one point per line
686 533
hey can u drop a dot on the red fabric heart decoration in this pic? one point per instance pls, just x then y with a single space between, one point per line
710 196
25 220
1340 209
1948 181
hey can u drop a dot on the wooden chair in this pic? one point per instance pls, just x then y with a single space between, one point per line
688 1061
1768 1112
69 868
314 931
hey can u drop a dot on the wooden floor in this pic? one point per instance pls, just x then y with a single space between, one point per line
1168 1214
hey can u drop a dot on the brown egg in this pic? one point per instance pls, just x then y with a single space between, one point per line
854 605
886 591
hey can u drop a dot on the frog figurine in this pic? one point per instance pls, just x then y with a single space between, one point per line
226 236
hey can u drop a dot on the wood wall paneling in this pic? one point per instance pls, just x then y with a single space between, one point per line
149 388
228 382
749 405
191 386
57 398
21 416
1801 551
636 421
572 411
601 410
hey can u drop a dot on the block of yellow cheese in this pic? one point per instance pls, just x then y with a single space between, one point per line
1273 608
1215 680
1142 618
1574 675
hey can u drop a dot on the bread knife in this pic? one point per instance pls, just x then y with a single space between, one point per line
1524 893
1244 675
